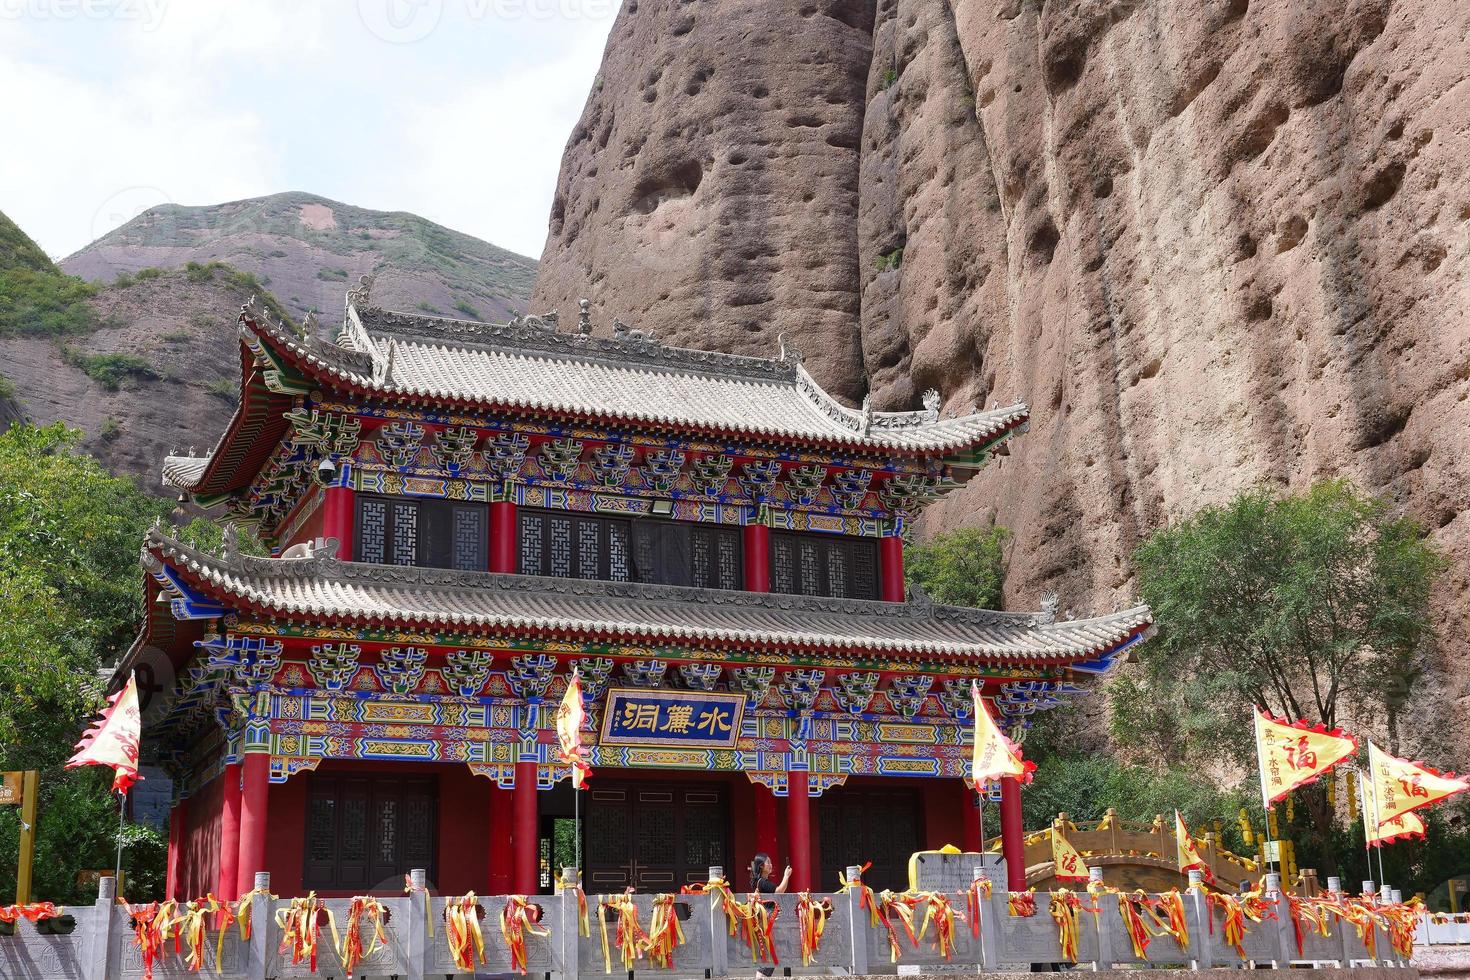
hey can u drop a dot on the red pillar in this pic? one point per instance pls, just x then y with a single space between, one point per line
338 518
1012 834
229 835
974 841
254 791
525 833
177 819
799 820
503 536
890 564
502 852
757 558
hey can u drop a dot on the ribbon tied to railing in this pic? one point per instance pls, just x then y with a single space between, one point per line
518 919
1145 918
664 933
576 888
628 936
1066 910
811 923
301 928
1237 909
243 910
353 949
1021 905
150 925
34 912
941 914
462 932
979 891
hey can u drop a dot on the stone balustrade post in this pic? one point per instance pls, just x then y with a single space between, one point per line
857 922
1100 920
569 926
257 956
416 944
989 926
719 950
1204 955
1285 933
99 940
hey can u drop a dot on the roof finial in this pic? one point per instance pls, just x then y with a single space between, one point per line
1050 602
792 355
362 295
931 404
867 412
231 541
584 316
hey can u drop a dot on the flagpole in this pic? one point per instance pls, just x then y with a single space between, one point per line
1367 788
122 805
576 823
1265 792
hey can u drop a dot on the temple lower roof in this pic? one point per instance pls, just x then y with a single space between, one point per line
325 590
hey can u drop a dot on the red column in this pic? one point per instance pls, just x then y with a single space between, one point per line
1012 834
799 821
254 791
502 852
503 536
525 833
890 564
765 828
974 841
338 520
229 835
173 887
757 558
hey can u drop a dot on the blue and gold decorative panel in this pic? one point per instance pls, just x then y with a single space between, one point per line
672 718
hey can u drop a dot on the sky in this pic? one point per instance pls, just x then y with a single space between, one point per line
456 110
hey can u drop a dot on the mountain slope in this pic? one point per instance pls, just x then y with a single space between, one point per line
1212 242
309 250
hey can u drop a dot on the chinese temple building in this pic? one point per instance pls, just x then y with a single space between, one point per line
463 515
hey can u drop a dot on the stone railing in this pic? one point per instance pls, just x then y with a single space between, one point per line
101 945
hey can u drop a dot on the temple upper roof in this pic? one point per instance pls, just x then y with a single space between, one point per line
325 590
530 365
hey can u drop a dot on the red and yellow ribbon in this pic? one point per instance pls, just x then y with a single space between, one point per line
980 890
628 936
1066 909
462 932
353 950
811 923
301 926
576 887
891 907
517 920
941 913
34 912
1237 909
1143 920
664 933
150 924
1021 905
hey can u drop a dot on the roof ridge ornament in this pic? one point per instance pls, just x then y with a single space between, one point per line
362 294
584 317
1050 603
931 404
788 354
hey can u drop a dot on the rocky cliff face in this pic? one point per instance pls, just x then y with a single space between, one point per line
1211 243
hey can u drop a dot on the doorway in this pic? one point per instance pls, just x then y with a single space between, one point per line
655 836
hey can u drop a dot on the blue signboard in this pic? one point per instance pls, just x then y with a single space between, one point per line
691 718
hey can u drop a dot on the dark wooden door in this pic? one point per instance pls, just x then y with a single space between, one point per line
369 831
861 824
656 837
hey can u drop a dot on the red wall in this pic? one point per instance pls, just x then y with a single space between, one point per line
944 812
311 527
199 859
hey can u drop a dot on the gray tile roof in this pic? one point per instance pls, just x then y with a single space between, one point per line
531 366
326 590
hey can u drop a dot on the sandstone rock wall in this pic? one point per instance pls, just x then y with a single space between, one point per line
1211 243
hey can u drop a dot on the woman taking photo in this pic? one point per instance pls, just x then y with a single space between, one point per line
761 870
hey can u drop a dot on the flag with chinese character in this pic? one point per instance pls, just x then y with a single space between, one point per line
113 739
1189 856
569 717
1402 827
1069 863
1292 754
995 755
1399 786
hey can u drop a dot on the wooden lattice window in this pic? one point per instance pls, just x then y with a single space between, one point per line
424 532
835 566
367 832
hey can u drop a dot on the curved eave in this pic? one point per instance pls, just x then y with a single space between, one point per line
252 435
1106 635
999 423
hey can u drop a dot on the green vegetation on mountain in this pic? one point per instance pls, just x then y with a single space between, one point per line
35 296
965 567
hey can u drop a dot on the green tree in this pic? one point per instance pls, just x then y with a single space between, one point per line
964 567
69 602
1309 605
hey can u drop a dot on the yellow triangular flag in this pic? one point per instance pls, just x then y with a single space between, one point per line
569 717
1400 827
1400 786
995 756
1189 856
1069 863
1294 754
114 739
